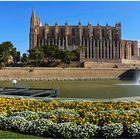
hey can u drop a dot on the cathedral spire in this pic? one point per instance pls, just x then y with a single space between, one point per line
33 13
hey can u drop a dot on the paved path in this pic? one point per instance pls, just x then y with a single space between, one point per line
128 98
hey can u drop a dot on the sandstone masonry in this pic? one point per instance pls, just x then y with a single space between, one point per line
97 43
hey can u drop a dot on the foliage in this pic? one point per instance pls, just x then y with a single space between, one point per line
112 130
134 130
61 111
51 54
62 115
24 59
28 115
2 118
99 113
14 123
7 53
40 127
36 55
115 66
70 119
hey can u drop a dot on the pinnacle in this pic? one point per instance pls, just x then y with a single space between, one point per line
33 13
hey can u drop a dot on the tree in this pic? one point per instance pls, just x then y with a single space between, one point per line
51 53
66 57
75 54
18 58
24 58
36 55
6 52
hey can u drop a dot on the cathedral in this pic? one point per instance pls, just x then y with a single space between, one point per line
97 43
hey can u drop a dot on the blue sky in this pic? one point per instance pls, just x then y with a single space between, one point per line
15 17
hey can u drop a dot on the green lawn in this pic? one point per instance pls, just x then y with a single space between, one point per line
13 135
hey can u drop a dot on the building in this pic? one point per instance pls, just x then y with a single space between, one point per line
98 43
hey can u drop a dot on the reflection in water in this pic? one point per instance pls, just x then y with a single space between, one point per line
129 84
137 77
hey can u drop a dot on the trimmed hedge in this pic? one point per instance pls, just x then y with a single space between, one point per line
112 130
47 128
134 130
71 119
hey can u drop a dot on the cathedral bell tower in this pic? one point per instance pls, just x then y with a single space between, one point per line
34 30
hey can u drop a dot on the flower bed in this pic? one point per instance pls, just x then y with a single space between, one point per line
71 119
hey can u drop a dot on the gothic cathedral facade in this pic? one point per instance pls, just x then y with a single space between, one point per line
97 43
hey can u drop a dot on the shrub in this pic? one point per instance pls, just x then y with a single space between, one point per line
72 130
134 130
28 115
2 118
63 130
42 114
88 130
14 123
26 127
61 111
115 66
40 127
61 115
112 130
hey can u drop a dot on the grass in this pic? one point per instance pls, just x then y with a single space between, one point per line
13 135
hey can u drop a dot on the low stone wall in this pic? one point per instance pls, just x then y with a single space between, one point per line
126 61
125 64
63 73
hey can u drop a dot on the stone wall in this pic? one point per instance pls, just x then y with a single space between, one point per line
61 73
125 63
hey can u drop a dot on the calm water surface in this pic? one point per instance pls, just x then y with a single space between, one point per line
85 89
